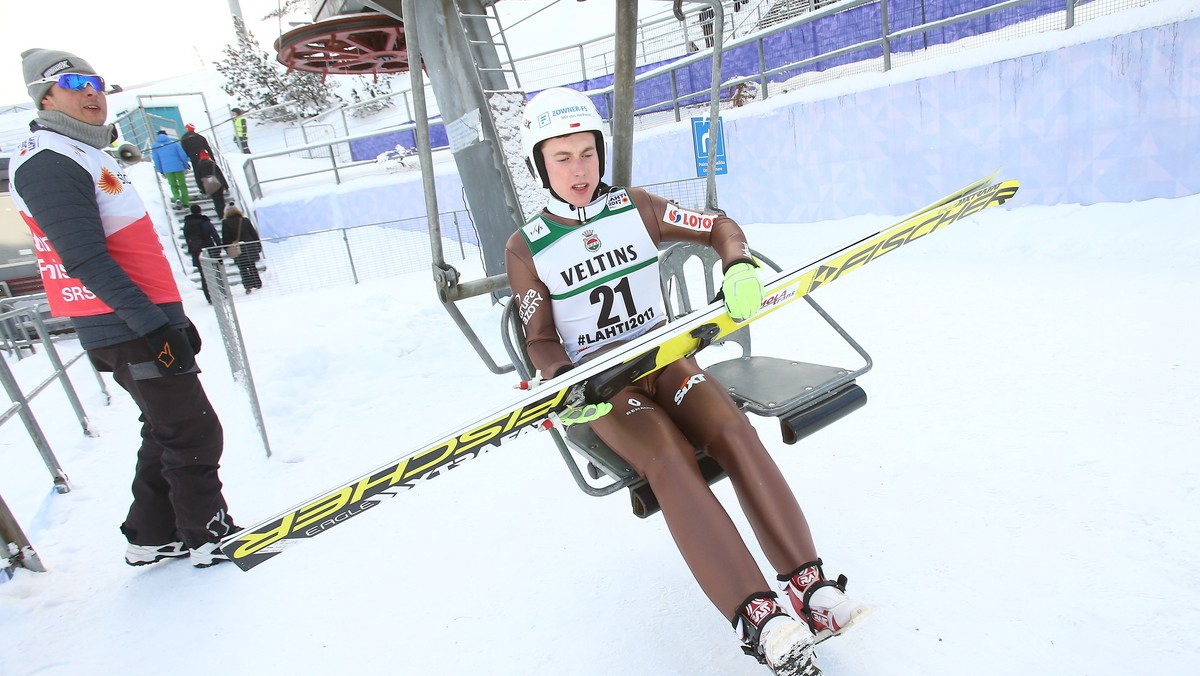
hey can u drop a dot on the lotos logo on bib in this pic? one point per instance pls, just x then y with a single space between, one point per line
693 220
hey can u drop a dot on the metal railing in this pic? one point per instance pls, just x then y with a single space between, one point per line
872 53
667 38
24 329
335 151
324 259
349 256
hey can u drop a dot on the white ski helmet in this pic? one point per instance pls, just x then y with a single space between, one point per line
557 112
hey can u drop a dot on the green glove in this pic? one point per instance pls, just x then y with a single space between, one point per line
742 290
587 413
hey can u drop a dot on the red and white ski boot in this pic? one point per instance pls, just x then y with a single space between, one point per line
775 638
822 603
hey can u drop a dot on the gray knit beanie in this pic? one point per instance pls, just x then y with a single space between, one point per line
39 64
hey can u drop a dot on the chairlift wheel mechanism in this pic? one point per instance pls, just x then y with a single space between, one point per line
361 44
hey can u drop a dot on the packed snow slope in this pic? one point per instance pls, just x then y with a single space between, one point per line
1020 494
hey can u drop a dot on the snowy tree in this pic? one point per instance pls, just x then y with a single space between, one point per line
368 88
257 81
288 8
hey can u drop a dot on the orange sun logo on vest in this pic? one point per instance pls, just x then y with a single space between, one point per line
109 182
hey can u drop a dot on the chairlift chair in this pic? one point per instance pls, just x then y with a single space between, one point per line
805 397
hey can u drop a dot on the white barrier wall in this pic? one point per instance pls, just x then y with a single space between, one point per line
1115 119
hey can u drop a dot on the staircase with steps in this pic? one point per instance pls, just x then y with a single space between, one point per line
207 209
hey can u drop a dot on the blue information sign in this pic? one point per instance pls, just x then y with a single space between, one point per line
700 142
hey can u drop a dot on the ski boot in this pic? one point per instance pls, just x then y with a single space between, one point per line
775 638
823 604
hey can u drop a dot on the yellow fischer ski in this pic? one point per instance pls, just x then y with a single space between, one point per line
591 382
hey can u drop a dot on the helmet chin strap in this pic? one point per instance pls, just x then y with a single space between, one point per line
560 207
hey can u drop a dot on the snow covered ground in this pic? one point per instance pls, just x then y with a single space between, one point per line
1018 496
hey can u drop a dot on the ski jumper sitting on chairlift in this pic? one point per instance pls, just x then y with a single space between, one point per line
584 272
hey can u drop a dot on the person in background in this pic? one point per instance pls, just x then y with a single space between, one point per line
236 228
103 266
193 144
205 166
171 162
706 17
241 130
201 236
585 273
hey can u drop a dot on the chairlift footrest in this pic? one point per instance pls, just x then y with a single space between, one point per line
771 387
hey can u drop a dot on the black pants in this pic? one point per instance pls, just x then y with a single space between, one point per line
176 488
247 265
218 199
203 282
243 143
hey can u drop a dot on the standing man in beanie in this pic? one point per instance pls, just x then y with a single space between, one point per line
171 162
241 133
103 266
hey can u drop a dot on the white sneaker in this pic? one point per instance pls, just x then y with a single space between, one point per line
787 646
143 555
208 554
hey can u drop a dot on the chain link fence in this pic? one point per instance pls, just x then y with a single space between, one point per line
349 256
325 259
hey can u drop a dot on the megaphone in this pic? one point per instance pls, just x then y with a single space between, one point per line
129 153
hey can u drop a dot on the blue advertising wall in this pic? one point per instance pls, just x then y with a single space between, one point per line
370 148
1115 119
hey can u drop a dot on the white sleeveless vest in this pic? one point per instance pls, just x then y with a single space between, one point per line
602 275
128 231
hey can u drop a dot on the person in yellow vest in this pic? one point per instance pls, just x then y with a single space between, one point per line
241 132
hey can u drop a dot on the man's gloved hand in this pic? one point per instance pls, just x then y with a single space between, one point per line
583 414
742 290
193 336
172 350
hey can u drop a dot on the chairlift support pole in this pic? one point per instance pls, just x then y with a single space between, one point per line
449 287
714 107
622 112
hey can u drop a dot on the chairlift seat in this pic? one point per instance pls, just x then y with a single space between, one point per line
804 397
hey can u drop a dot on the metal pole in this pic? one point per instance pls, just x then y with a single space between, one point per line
886 36
12 537
622 112
714 108
235 10
350 256
675 94
15 394
424 154
60 372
